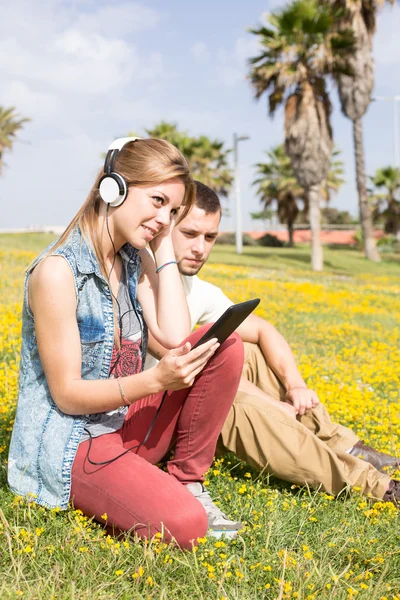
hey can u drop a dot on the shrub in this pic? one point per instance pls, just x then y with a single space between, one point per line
270 240
388 243
229 238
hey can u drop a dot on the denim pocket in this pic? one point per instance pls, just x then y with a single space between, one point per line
92 341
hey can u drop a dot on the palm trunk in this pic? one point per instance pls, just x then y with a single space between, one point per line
367 229
395 210
290 232
314 197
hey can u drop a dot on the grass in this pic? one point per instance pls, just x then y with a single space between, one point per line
343 325
339 261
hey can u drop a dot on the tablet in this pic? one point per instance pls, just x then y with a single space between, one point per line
229 321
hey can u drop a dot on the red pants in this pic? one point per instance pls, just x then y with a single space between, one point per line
135 494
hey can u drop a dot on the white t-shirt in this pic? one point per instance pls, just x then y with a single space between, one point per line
206 303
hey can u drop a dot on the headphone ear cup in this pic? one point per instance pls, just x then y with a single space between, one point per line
113 189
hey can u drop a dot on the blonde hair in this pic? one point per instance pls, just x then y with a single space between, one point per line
143 162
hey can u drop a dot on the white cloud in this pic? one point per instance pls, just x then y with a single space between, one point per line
386 42
200 53
78 62
58 174
232 67
40 106
230 75
74 70
246 48
120 19
201 121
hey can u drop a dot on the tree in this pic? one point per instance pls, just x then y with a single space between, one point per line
208 159
277 183
333 216
10 124
334 180
299 50
355 91
387 202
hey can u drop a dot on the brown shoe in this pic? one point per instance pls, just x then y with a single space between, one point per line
377 459
392 494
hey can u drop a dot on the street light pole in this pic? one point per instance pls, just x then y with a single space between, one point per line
238 235
396 151
396 131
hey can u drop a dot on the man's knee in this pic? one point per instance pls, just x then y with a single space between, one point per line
252 352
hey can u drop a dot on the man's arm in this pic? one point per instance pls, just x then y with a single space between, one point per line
273 345
158 351
280 358
249 388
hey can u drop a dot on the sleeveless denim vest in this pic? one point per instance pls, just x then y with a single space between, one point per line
44 439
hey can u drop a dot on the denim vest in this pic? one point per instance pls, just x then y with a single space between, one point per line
44 439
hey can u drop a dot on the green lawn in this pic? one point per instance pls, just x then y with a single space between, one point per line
346 261
340 261
343 326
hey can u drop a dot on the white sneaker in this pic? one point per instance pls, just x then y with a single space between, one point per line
218 523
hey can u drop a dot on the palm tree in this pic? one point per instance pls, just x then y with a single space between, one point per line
355 96
10 123
277 183
334 179
387 202
299 49
207 158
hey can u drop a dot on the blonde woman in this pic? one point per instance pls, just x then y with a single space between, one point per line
91 424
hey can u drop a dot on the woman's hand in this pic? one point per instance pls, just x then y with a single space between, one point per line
178 367
162 243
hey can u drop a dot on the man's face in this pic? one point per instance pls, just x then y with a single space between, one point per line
194 238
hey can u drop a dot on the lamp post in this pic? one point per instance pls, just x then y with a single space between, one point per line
239 242
396 151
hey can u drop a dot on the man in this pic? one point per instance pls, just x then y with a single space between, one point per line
276 423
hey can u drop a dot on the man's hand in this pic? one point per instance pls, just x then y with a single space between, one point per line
302 399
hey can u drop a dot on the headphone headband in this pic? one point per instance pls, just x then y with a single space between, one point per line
119 143
113 150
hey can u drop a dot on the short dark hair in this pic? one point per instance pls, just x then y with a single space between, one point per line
206 198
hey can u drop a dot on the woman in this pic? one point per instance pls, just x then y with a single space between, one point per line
89 427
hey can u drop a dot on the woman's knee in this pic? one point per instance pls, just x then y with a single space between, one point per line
233 349
188 527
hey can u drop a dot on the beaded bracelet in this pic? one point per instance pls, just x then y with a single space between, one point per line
171 262
123 396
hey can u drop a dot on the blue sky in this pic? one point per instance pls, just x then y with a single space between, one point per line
88 71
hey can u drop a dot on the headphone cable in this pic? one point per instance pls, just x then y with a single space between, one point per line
113 367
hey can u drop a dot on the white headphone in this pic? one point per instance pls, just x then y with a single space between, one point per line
113 187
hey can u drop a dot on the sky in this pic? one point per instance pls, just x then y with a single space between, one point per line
88 71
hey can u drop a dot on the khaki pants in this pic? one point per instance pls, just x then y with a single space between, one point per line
308 450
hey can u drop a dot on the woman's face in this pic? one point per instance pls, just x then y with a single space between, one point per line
147 211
